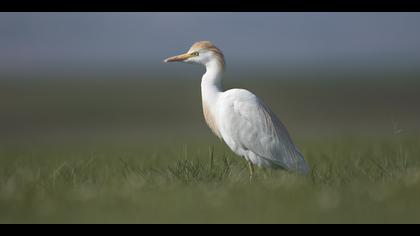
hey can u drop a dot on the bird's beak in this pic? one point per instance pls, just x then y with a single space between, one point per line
181 57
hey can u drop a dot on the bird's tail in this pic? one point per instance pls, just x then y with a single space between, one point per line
301 165
296 163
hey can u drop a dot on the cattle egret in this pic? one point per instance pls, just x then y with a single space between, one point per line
240 118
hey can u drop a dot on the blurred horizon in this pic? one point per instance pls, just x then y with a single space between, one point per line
35 45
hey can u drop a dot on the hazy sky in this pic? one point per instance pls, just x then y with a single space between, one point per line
47 41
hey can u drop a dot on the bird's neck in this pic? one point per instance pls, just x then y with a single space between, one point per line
211 88
211 83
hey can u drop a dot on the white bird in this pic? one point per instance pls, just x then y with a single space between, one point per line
240 118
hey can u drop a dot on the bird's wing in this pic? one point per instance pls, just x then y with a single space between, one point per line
259 130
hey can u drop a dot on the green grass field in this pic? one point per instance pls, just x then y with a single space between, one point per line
352 181
107 152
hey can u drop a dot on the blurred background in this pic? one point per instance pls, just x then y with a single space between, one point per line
98 78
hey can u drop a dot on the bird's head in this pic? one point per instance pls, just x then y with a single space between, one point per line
202 52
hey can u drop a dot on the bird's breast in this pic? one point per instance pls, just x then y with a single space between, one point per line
210 119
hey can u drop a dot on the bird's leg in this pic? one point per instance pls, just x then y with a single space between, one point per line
251 171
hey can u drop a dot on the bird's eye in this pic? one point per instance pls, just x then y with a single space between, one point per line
194 54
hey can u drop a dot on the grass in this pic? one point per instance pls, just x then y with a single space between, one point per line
352 181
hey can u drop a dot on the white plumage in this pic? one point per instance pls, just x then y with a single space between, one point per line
240 118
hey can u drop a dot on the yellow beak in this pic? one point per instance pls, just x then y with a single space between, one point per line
181 57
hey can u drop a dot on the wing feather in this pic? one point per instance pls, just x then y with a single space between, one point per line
259 130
